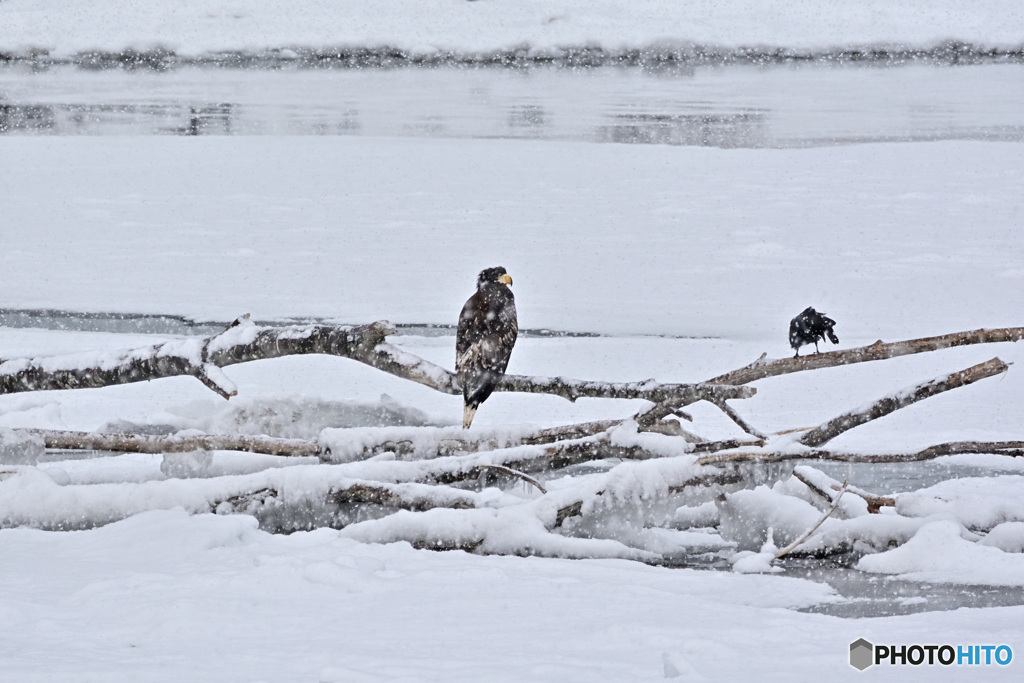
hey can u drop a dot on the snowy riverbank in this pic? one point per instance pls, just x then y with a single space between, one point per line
593 30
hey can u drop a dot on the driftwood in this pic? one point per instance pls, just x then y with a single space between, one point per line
772 367
444 472
875 503
244 342
239 343
765 367
821 435
138 443
396 497
534 460
703 480
740 422
807 534
453 442
435 442
514 473
1008 448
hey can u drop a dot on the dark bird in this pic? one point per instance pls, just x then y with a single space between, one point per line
810 327
487 332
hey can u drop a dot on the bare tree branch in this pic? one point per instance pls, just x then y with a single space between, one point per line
240 343
1010 448
678 394
815 489
875 503
400 496
243 342
515 473
822 434
1007 448
807 534
771 367
139 443
740 422
348 445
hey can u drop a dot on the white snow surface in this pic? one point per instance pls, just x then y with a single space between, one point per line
728 243
424 27
721 246
938 552
166 595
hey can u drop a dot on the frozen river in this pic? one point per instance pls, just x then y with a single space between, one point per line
762 108
785 106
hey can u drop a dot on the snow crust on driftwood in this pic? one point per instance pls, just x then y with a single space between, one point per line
628 488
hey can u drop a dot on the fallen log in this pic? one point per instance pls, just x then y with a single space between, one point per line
140 443
771 367
765 367
1007 448
243 342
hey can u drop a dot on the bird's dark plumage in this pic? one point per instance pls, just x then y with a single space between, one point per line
483 344
810 327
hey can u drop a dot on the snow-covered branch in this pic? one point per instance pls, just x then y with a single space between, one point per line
243 342
822 434
770 367
202 357
144 443
1007 448
765 367
677 394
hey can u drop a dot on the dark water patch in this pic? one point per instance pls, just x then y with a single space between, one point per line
892 478
878 595
865 594
709 129
803 104
118 323
34 118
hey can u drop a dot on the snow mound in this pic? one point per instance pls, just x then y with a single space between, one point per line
939 553
1008 537
978 502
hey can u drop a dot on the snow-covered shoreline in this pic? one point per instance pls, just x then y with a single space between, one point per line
109 32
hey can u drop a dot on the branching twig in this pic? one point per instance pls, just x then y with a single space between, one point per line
740 422
875 503
515 473
807 534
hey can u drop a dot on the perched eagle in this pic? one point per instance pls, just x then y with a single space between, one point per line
810 327
487 332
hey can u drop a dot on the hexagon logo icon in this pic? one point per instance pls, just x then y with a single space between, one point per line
862 654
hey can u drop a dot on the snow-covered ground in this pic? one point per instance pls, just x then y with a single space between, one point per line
690 260
894 241
891 240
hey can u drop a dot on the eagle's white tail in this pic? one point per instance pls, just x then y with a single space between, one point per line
467 416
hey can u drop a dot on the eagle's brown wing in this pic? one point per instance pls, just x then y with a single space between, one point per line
483 345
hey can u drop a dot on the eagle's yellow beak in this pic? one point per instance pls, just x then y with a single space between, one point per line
506 279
